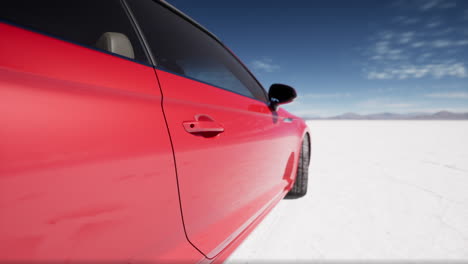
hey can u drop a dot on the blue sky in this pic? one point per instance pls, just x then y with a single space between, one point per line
401 56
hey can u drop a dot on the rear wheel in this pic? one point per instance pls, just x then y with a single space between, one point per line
299 188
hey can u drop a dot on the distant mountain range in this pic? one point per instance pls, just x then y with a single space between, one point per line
442 115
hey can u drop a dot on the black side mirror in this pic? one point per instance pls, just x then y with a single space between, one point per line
280 94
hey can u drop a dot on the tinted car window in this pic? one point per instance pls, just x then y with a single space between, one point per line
83 21
183 48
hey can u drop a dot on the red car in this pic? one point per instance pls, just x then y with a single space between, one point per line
131 134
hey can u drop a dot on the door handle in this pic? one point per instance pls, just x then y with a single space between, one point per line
203 124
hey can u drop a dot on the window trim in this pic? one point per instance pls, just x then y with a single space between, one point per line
207 83
141 37
182 15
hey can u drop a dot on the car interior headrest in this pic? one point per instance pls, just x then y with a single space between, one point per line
116 43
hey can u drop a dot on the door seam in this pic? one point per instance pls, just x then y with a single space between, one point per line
175 164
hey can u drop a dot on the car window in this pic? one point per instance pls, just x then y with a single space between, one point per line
83 21
183 48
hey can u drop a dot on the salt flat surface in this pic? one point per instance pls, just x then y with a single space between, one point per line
378 190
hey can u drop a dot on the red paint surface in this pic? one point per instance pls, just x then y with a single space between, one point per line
86 166
87 171
227 179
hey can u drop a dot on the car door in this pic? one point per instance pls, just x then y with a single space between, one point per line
232 152
86 166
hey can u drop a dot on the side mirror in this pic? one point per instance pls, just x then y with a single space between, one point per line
280 94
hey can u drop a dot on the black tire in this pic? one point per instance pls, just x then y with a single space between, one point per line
299 188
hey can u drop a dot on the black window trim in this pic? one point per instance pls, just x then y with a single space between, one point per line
206 31
207 83
138 32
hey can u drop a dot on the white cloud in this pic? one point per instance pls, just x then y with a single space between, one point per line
387 104
427 55
325 95
442 43
378 76
406 37
418 44
436 109
412 71
383 51
387 35
434 24
395 54
432 4
265 65
462 42
419 47
427 5
382 47
399 105
384 104
308 112
449 95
